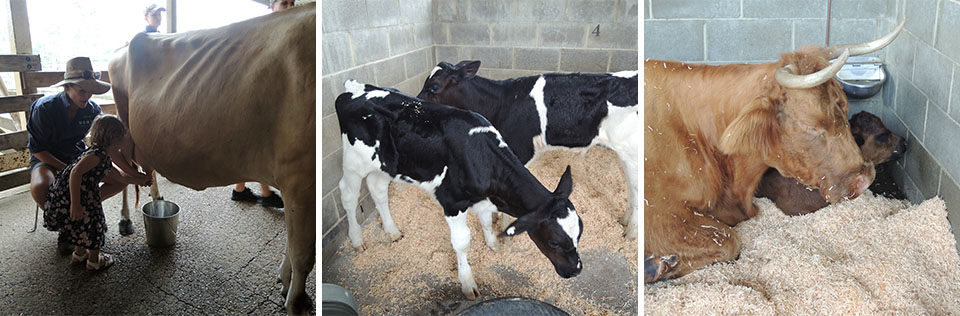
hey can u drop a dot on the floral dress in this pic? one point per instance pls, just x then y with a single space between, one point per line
88 232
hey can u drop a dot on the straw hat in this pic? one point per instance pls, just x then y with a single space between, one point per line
80 72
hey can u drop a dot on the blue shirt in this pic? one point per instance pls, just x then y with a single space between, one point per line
49 128
150 30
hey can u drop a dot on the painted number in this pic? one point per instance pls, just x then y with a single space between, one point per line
596 30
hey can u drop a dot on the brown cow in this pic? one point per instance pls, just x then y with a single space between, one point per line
877 145
712 131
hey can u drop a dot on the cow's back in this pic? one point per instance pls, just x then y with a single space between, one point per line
220 106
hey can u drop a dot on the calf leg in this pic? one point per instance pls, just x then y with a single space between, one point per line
631 216
505 221
484 210
379 183
349 192
678 241
460 238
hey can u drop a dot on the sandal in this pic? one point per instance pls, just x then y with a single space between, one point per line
105 261
78 258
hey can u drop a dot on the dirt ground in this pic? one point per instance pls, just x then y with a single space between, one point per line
417 275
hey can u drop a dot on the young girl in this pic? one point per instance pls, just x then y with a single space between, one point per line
73 202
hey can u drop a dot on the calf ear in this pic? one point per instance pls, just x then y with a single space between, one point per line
755 130
526 223
468 68
565 187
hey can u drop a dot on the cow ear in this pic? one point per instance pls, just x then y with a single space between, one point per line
468 68
565 187
755 130
526 223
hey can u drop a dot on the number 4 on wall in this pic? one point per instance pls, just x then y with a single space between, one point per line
596 30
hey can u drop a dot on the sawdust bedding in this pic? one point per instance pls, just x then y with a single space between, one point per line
869 256
403 276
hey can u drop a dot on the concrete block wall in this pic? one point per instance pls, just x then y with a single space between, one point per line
387 43
922 100
520 38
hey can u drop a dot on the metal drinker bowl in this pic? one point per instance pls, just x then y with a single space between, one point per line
160 219
862 77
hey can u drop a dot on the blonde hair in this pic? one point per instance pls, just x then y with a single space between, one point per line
106 130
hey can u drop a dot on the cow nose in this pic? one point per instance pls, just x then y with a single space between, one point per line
863 182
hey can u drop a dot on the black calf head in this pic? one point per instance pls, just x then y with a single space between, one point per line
555 229
877 143
443 84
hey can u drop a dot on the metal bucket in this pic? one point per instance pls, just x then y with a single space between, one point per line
160 222
337 301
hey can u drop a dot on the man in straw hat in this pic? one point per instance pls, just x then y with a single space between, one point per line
56 128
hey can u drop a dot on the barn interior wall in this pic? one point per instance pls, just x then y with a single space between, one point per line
920 99
386 43
522 38
397 43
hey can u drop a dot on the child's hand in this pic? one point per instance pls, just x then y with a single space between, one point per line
76 211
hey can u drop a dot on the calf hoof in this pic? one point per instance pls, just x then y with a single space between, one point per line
360 248
630 234
126 227
656 268
396 236
470 291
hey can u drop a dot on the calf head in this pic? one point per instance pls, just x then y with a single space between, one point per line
555 229
876 142
443 84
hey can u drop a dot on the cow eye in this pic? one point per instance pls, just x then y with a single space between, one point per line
434 88
553 244
883 138
858 139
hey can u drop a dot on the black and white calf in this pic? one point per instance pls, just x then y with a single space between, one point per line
458 157
552 111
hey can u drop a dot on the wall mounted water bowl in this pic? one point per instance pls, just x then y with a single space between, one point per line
862 77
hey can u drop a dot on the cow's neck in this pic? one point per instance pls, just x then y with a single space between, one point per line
721 93
516 191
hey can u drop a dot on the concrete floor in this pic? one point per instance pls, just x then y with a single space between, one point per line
225 261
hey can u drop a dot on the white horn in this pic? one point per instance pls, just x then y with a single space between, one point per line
786 77
869 47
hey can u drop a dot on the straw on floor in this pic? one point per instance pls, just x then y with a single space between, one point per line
869 256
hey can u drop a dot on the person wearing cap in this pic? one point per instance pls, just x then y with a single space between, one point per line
152 15
268 197
57 125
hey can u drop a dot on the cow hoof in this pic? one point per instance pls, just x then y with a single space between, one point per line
630 235
126 227
360 248
656 268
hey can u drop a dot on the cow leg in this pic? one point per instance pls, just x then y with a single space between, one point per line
126 225
460 238
349 193
154 187
300 221
679 241
379 183
484 210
